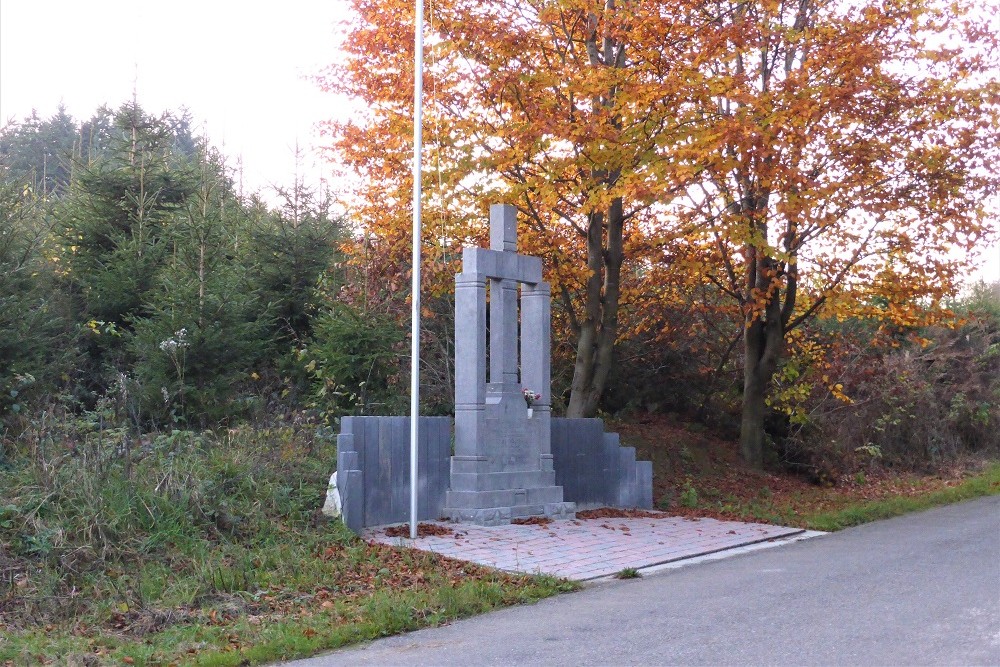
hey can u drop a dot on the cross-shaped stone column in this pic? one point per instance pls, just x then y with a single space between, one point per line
502 467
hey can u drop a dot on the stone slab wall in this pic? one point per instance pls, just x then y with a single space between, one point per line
595 470
373 469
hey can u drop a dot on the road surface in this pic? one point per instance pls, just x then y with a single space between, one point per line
922 589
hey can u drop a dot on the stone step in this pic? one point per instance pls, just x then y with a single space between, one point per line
502 498
497 516
497 481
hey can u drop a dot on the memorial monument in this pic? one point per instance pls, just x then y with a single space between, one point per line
502 468
508 455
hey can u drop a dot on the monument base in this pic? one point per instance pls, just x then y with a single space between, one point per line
498 516
495 498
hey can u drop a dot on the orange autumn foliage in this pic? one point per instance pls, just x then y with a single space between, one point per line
797 156
855 160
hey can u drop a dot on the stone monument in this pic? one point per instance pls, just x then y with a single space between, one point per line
502 466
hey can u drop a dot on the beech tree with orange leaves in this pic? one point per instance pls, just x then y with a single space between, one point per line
573 111
808 151
857 153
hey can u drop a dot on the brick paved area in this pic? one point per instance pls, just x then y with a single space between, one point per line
584 549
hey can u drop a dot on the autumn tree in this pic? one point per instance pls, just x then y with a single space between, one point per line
856 159
573 111
798 156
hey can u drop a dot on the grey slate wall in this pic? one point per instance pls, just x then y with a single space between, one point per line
594 470
373 469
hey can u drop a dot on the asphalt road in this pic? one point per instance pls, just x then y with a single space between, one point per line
923 589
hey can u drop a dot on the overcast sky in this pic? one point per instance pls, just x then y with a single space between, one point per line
240 68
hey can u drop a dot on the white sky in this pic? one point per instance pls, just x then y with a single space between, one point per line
240 68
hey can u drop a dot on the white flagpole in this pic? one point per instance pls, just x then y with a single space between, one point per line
418 87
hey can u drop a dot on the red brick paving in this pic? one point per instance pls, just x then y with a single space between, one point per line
584 549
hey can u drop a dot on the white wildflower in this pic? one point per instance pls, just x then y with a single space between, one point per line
179 341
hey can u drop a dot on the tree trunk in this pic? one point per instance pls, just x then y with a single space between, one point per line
763 342
582 403
599 326
754 406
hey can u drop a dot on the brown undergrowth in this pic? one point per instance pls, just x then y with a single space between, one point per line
697 474
423 530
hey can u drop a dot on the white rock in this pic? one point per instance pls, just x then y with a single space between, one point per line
332 506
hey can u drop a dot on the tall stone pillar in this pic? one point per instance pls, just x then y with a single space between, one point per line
470 363
503 332
536 363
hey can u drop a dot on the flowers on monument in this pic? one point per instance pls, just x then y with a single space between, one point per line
530 396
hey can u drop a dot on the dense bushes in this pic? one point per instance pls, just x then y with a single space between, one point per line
34 339
910 398
354 358
849 393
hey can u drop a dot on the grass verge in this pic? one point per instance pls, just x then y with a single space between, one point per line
983 484
204 549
